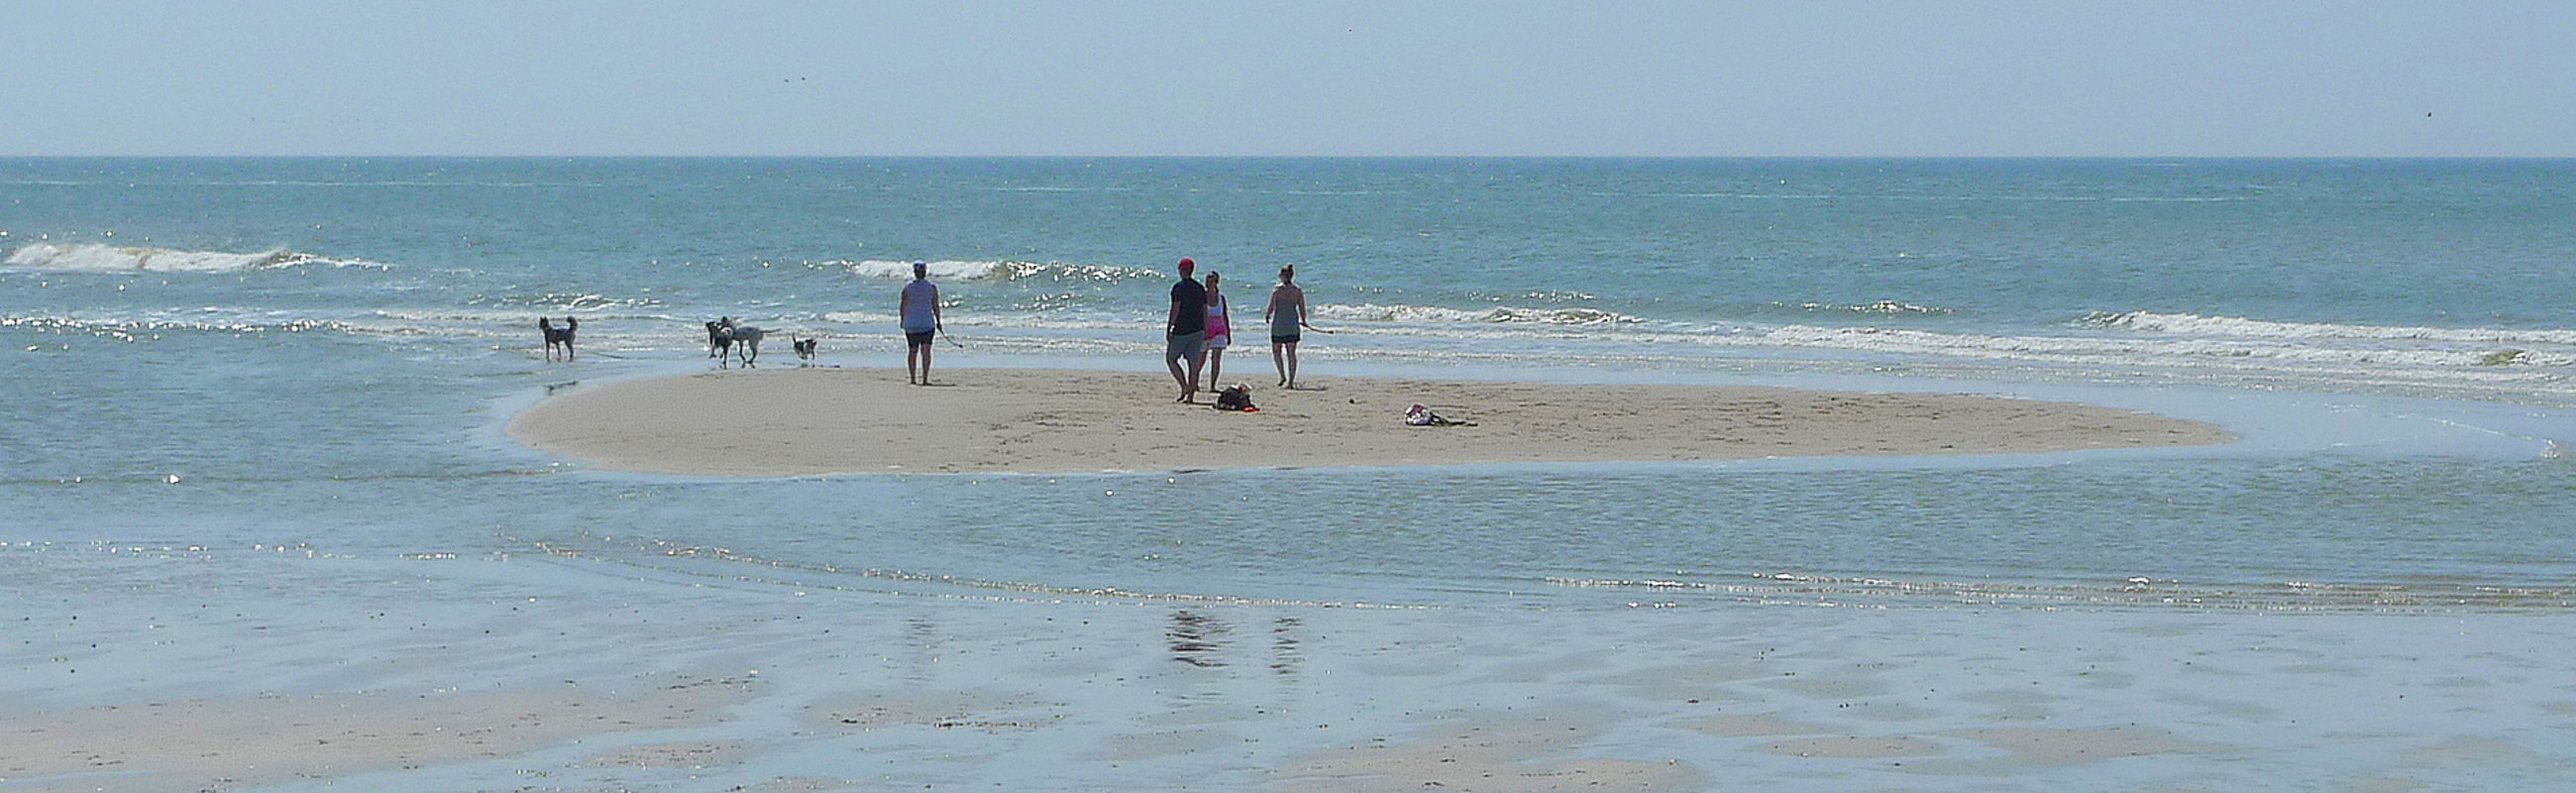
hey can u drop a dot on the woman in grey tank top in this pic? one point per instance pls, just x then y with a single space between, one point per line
1287 314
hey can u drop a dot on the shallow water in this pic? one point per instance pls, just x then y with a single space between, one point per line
316 353
255 451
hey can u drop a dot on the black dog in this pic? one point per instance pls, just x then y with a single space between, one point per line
804 347
719 342
744 340
558 337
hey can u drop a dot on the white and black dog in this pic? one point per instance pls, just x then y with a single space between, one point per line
744 339
804 347
558 337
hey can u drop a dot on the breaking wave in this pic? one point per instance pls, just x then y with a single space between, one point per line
2237 352
104 258
1372 312
2241 327
564 301
150 326
950 270
1889 307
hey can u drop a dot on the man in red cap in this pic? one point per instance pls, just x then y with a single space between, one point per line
1185 333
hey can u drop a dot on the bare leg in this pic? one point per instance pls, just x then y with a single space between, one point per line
912 364
1277 363
1216 367
1179 378
925 364
1197 362
1292 365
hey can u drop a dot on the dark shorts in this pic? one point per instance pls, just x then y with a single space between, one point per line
1177 346
919 338
1288 339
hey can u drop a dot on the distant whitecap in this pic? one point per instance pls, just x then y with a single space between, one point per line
99 257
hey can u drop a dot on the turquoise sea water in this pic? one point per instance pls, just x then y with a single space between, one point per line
205 359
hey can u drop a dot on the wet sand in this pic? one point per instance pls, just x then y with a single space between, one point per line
785 422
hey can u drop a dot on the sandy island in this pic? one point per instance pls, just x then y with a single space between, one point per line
785 422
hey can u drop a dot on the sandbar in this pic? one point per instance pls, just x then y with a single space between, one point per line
815 420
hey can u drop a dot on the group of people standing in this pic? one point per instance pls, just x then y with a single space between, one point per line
1201 327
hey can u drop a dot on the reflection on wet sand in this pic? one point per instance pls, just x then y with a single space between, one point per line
921 650
1284 655
1196 639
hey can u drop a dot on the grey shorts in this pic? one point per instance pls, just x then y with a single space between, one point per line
1177 346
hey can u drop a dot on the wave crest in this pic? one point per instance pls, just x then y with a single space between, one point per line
1372 312
104 258
951 270
2200 325
564 301
1889 307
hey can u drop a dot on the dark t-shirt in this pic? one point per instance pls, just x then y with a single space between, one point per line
1191 298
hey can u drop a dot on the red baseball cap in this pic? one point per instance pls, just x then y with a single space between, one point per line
1186 264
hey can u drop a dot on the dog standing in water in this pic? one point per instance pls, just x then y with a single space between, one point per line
558 337
744 339
718 342
804 347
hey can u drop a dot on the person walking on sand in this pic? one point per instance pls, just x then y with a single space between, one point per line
1220 332
1185 332
919 308
1287 317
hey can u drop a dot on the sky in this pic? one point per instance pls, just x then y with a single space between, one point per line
2353 78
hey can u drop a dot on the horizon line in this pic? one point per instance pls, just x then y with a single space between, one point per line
2058 157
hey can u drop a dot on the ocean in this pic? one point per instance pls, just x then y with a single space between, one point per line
223 373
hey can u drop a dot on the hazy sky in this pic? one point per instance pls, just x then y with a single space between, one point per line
1603 77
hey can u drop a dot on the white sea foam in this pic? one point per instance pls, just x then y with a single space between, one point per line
134 327
1411 314
2195 351
2199 325
100 257
952 270
442 317
1879 307
860 317
2402 366
565 301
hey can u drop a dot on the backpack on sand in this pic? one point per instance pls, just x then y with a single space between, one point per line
1235 398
